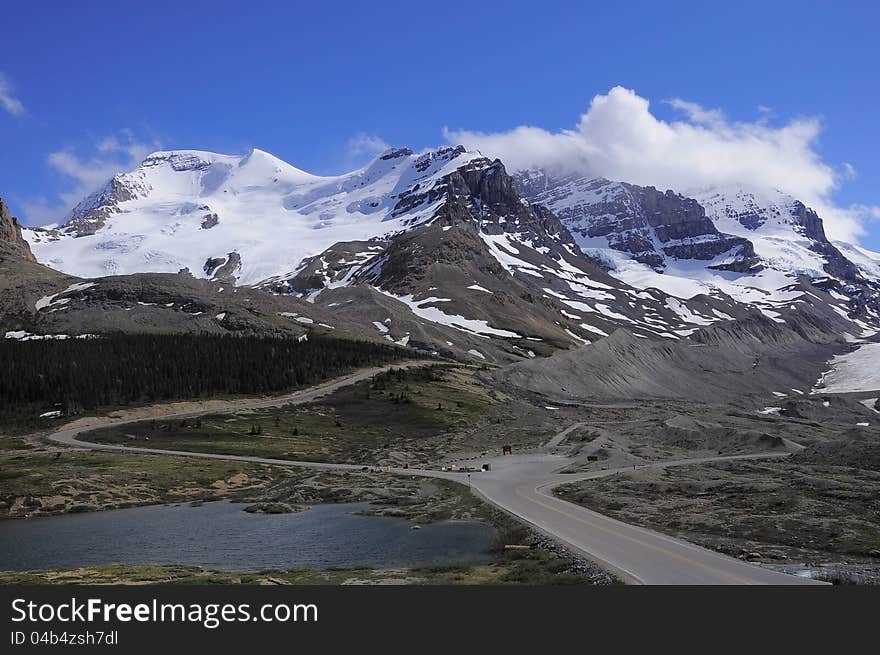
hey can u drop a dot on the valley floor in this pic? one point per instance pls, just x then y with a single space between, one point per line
819 505
774 511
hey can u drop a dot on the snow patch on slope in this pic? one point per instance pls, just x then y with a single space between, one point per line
477 327
855 371
50 301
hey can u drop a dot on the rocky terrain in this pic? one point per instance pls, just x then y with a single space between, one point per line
753 228
495 267
650 226
37 301
730 361
11 241
856 448
762 511
445 251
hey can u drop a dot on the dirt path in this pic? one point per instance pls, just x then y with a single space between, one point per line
187 408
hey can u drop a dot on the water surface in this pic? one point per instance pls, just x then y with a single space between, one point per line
221 535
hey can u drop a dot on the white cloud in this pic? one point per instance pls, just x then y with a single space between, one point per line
7 97
621 139
697 113
85 174
363 146
866 212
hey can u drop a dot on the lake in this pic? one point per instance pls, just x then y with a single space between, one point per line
221 535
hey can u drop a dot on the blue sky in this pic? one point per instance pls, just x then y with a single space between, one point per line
87 87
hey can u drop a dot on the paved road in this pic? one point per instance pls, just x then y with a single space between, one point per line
522 485
559 438
70 436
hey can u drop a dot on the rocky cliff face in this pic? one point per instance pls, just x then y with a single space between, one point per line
91 214
836 264
11 241
223 269
649 225
501 210
480 202
786 234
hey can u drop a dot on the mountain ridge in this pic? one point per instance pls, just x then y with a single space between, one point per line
446 251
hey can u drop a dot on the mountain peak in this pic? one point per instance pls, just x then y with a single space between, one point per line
181 208
263 167
643 224
747 242
184 160
395 153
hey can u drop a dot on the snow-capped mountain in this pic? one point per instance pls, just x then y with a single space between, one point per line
434 250
748 244
446 252
38 302
490 265
867 261
191 209
651 227
786 235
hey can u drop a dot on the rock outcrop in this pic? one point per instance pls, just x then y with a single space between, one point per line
11 241
91 214
647 224
837 265
223 269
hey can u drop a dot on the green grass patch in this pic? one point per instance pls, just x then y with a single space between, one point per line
35 481
400 410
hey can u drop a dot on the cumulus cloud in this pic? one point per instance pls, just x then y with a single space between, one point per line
84 174
8 100
621 139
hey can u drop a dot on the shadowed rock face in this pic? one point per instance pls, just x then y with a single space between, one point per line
223 269
648 224
485 194
685 232
838 266
11 241
480 198
91 214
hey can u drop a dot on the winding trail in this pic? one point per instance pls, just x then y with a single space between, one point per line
522 486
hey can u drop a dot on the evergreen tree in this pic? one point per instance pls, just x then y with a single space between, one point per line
75 376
